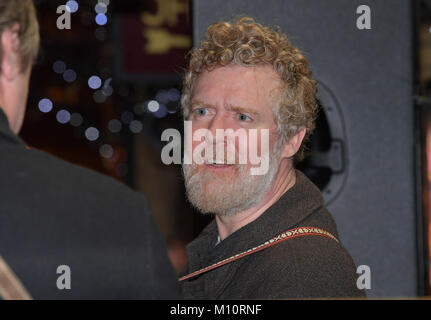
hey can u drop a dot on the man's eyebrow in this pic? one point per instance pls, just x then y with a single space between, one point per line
199 103
240 109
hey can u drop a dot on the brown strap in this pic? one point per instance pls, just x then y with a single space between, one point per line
289 234
11 287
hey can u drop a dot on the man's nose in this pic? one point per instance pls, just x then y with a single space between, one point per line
216 137
219 122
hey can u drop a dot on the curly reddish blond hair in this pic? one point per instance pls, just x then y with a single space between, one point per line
247 43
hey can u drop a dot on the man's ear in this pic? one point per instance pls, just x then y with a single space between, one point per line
292 145
11 60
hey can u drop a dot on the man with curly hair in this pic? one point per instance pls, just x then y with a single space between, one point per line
271 237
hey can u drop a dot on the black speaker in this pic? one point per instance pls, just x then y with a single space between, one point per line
366 83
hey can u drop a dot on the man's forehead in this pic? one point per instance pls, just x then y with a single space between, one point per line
237 87
253 74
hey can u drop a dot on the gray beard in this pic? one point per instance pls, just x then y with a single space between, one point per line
226 196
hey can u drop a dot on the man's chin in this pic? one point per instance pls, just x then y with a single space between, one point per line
223 192
219 198
208 198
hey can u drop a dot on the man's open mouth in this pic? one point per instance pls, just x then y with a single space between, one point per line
218 164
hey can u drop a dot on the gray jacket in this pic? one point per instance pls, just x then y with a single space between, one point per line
303 267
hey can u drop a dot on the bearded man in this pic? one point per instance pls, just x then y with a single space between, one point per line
271 237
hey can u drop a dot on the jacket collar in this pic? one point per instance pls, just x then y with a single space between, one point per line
294 206
6 133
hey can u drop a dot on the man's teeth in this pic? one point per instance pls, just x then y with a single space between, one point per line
217 163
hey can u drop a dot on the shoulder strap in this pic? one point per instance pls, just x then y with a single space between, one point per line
11 287
289 234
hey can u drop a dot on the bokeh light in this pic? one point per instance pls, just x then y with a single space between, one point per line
101 8
174 94
107 91
153 106
72 6
127 117
162 96
45 105
94 82
136 126
69 75
115 125
101 19
63 116
59 67
161 112
106 151
92 134
76 119
99 97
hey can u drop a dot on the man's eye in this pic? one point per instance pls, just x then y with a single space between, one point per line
201 112
243 117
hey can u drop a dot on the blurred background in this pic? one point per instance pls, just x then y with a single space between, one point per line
102 92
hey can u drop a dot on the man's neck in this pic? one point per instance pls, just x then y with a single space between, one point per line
284 180
6 111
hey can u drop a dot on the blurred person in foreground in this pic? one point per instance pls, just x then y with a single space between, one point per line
272 236
65 232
